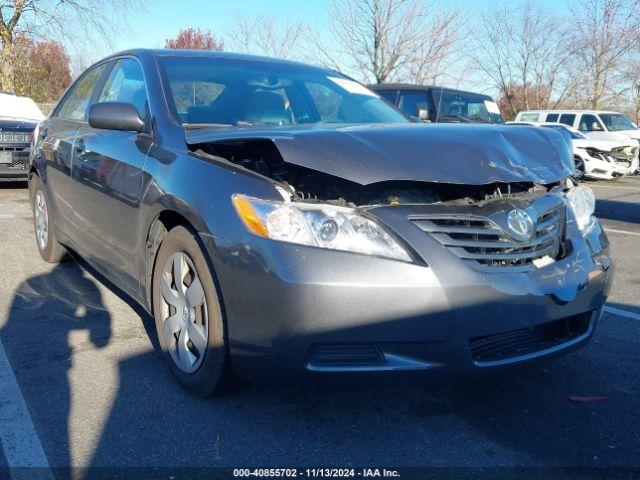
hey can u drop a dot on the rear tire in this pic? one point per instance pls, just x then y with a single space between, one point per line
50 249
188 314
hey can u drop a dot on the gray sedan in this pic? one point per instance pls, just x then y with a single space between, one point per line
282 222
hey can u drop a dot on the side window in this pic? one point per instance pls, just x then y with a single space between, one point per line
126 84
409 102
529 117
390 96
589 123
552 117
567 119
74 106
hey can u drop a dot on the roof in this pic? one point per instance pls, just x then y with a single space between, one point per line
412 86
567 111
209 54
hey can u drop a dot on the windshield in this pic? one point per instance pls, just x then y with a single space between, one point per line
456 106
228 92
616 122
12 106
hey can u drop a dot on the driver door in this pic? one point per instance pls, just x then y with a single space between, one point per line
108 170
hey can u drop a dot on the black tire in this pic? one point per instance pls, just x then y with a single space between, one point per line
208 376
50 250
579 169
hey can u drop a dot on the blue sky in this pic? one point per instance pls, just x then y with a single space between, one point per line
163 18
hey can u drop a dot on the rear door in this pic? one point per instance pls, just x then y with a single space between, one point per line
107 171
57 136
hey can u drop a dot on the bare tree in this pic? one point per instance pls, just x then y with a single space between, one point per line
439 53
522 51
604 33
265 35
376 38
52 19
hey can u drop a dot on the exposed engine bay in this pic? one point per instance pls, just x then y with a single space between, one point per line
301 183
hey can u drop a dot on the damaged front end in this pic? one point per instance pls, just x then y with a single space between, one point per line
475 222
612 163
490 266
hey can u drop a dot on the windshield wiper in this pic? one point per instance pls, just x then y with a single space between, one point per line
479 120
460 118
190 126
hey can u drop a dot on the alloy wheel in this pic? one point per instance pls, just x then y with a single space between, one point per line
184 312
42 220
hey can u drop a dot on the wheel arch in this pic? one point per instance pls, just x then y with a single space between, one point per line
164 221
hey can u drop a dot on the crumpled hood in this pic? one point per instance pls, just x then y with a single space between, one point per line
604 145
446 153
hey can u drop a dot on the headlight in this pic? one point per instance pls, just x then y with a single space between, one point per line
318 225
583 203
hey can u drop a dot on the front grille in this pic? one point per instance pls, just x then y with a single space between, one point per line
346 355
17 165
517 343
4 148
484 245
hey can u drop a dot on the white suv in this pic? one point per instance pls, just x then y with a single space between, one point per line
597 124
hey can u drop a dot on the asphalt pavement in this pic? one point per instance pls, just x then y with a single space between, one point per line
97 394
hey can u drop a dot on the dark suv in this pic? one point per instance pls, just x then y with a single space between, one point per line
438 104
19 116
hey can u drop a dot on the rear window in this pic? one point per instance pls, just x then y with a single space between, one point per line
529 117
567 118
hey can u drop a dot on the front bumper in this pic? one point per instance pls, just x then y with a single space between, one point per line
296 312
596 168
14 162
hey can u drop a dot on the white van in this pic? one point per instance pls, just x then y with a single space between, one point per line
596 124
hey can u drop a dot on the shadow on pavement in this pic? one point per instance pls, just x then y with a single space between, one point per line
8 185
522 417
617 210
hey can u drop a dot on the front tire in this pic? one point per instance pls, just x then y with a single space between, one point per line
50 249
188 314
579 169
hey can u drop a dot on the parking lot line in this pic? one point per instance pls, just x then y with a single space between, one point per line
622 313
623 232
637 189
20 442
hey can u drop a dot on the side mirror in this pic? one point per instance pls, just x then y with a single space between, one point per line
422 111
116 116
